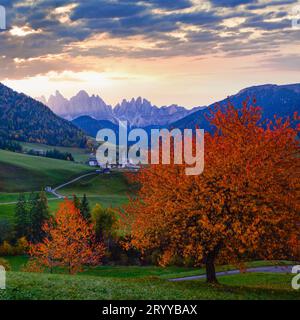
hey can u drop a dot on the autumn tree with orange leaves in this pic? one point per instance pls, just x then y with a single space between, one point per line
69 241
244 205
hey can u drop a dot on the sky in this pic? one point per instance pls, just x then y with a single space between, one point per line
190 53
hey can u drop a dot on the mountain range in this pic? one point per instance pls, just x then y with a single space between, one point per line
79 105
281 100
137 112
25 119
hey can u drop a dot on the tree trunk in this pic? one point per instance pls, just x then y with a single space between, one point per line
210 265
211 271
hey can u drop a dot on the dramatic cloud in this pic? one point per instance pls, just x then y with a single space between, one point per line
171 4
98 10
231 3
46 36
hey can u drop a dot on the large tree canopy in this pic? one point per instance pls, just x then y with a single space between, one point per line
243 205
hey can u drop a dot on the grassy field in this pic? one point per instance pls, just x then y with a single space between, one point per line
80 155
17 262
24 173
19 172
150 282
132 282
7 212
31 286
13 197
108 190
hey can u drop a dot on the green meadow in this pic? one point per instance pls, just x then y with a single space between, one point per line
135 282
80 155
108 190
24 173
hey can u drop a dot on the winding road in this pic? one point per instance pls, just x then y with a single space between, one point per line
60 196
54 191
272 269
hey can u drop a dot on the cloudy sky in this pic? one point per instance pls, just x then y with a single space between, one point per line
168 51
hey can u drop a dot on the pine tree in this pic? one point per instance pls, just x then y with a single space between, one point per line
22 217
39 214
85 208
31 207
76 202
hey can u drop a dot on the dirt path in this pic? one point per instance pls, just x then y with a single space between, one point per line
272 269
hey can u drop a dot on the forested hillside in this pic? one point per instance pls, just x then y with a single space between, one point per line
25 119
